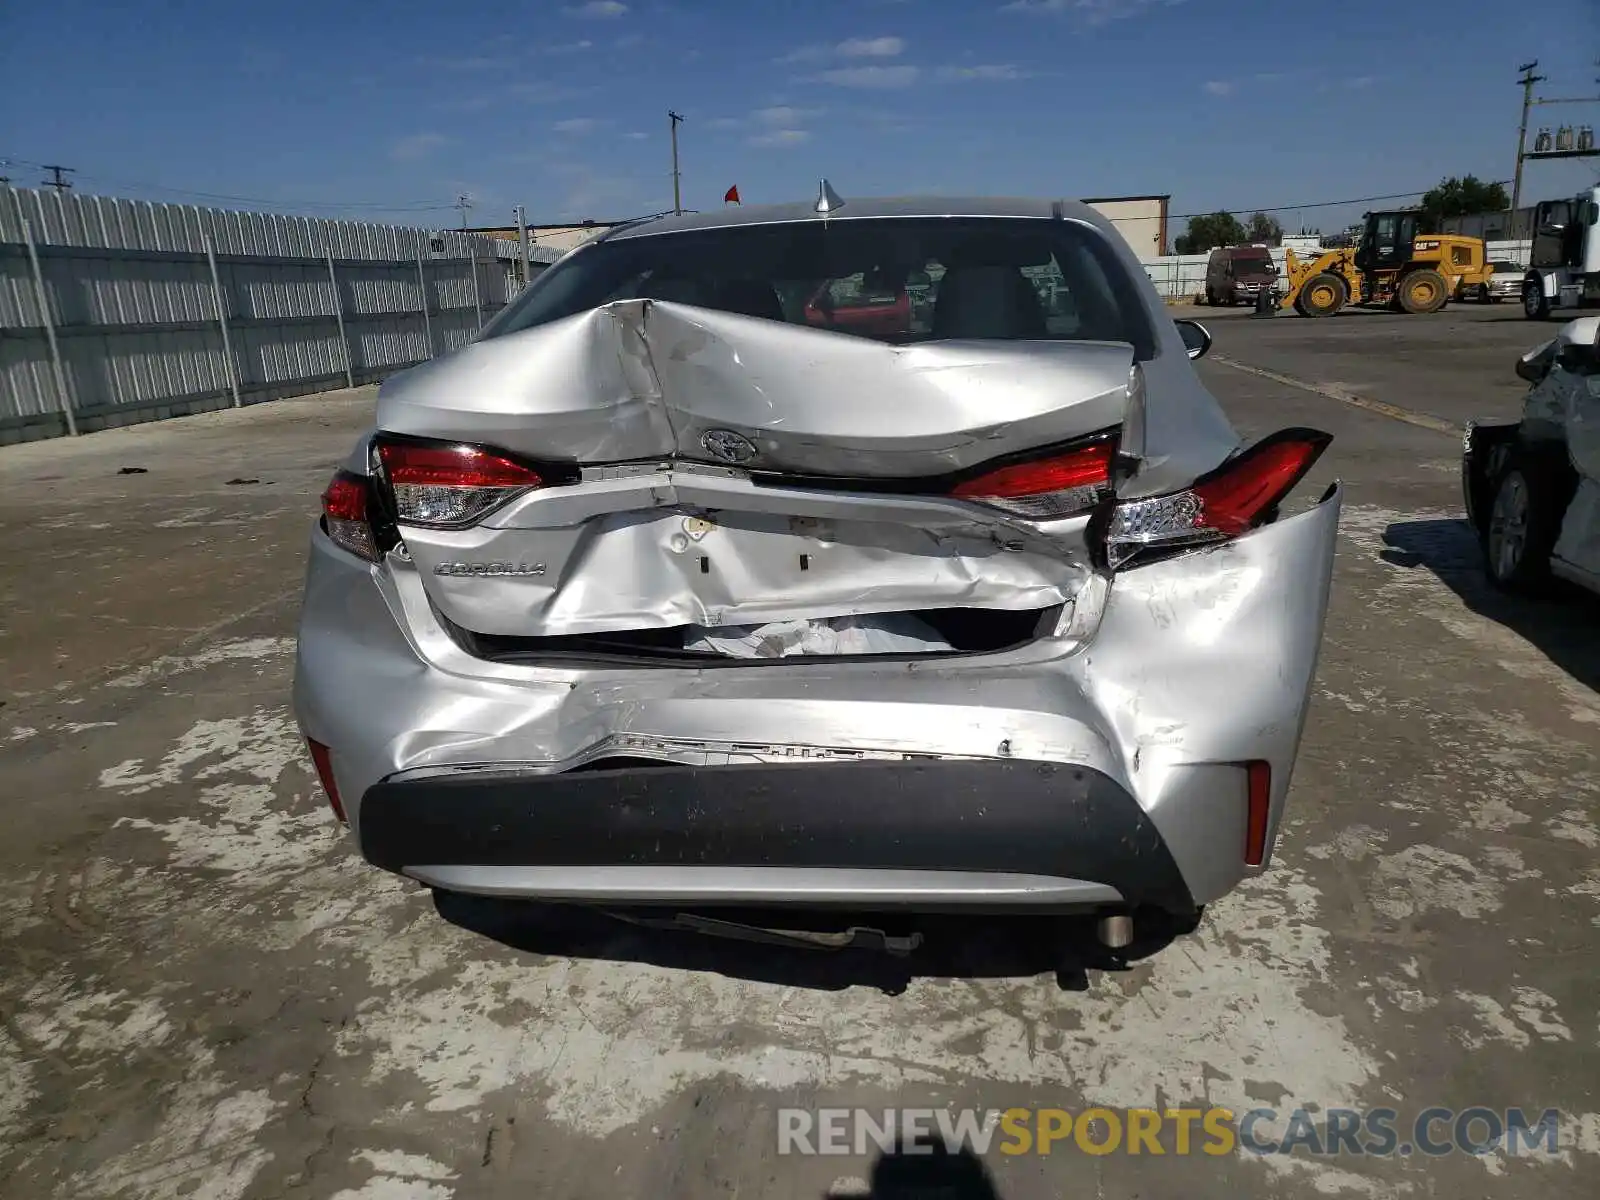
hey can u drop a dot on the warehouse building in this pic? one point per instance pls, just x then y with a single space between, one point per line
1142 221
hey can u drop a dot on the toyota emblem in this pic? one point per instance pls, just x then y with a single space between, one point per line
725 445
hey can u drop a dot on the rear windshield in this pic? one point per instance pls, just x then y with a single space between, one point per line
891 279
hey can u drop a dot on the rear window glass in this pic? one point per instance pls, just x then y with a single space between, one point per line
893 280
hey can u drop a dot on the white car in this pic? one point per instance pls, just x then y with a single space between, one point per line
1533 486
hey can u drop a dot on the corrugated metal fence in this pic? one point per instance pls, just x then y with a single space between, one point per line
118 311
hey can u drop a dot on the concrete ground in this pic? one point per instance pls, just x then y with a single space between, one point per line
204 993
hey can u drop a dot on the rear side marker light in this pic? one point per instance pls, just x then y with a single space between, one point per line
322 759
446 487
1257 807
1047 488
1229 501
345 516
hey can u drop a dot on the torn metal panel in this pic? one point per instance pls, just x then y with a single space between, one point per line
714 564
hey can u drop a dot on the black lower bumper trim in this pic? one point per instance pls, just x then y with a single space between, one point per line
1000 816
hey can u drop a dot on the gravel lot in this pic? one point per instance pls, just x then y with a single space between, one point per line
205 994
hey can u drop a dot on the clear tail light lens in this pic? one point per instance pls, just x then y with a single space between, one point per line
446 487
1229 501
345 515
1047 488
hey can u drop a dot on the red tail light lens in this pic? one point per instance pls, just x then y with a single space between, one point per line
1229 501
323 761
447 487
345 517
1258 806
1047 488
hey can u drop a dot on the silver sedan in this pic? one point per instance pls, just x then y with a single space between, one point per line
717 571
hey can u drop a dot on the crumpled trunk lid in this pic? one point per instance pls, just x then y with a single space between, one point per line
642 379
841 509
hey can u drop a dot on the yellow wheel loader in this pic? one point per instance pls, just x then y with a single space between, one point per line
1393 266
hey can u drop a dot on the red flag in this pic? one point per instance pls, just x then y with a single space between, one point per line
732 195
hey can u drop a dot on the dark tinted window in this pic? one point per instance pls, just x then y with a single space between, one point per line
1260 265
893 280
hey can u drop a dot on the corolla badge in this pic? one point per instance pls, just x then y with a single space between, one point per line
492 569
727 446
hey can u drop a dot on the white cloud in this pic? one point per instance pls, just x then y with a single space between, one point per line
777 138
417 146
1092 12
577 125
878 47
604 10
1219 87
870 77
988 71
633 135
859 47
567 47
782 115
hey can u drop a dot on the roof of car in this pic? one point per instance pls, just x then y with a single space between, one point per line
855 208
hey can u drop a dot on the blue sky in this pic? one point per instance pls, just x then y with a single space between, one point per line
388 111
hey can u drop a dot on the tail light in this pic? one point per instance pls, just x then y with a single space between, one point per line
323 761
1046 488
448 486
1229 501
345 515
1259 776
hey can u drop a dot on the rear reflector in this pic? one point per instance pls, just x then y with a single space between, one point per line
450 486
344 515
323 761
1229 501
1258 805
1046 488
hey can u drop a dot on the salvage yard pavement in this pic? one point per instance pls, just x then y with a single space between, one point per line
205 993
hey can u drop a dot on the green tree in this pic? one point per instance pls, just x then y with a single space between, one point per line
1208 232
1263 228
1462 197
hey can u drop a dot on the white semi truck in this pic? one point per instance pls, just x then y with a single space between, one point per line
1564 268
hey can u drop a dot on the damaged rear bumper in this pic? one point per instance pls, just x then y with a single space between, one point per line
908 832
1159 687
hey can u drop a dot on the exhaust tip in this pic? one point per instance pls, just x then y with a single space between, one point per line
1115 932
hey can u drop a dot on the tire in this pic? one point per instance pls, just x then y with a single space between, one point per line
1483 294
1211 297
1322 296
1423 291
1520 529
1535 304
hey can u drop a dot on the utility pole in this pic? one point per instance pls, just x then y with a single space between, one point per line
677 191
462 204
59 181
1528 80
522 240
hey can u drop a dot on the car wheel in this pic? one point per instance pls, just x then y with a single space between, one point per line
1520 531
1535 304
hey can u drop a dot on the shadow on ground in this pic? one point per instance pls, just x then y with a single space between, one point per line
1562 624
925 1170
952 946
